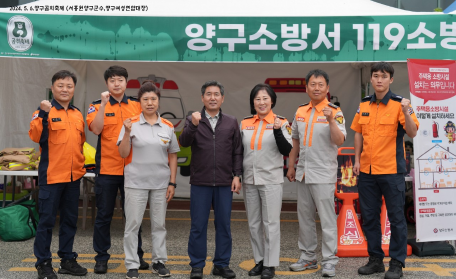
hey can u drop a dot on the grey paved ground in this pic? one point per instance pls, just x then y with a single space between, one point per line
17 261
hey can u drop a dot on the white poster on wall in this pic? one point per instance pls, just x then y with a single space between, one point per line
432 88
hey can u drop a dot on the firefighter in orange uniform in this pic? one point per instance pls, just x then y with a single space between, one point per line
58 127
105 119
380 124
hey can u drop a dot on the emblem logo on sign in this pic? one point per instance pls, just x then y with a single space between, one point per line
20 33
436 230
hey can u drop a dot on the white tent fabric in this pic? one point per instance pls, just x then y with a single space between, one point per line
239 8
23 82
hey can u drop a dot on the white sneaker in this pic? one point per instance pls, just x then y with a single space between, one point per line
303 265
329 270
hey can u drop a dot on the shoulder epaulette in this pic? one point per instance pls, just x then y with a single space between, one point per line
167 122
247 117
96 102
397 98
133 98
333 105
135 118
280 117
304 104
76 108
367 98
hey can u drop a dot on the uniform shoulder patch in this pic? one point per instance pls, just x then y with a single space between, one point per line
397 98
248 117
366 99
96 102
304 104
280 117
333 105
91 109
167 122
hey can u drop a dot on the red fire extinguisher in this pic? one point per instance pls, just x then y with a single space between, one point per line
435 129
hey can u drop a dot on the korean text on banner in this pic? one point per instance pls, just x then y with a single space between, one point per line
432 89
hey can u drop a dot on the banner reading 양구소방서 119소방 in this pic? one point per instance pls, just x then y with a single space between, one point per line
433 97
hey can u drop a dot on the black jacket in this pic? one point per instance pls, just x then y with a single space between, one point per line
216 155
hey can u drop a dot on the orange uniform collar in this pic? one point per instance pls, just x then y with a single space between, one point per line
269 118
320 106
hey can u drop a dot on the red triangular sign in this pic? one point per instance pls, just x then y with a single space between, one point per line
351 232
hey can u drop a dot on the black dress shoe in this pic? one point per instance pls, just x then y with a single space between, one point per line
197 273
268 272
225 272
143 265
257 269
101 267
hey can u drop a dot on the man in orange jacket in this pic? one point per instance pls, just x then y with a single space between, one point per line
58 127
105 119
380 124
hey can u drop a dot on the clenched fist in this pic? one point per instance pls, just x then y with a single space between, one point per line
405 103
127 124
45 105
277 123
196 117
328 112
105 97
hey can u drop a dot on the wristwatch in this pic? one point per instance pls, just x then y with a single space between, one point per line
173 184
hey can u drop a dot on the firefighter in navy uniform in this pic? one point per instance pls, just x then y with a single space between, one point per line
105 119
58 127
380 124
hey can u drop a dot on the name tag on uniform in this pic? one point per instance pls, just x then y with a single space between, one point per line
56 119
110 114
250 127
299 118
365 114
269 126
321 119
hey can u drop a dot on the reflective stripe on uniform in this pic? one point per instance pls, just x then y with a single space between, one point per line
262 161
317 153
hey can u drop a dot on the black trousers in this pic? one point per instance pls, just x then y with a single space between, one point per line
371 188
